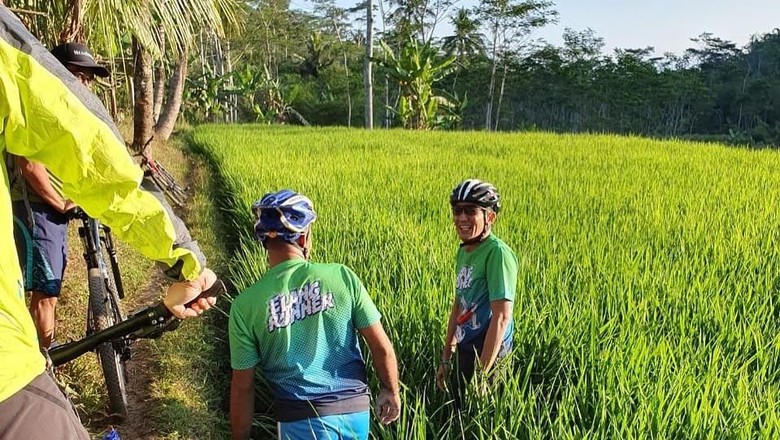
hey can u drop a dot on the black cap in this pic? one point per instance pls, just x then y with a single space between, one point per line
78 54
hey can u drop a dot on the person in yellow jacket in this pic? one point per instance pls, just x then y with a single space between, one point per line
48 116
41 213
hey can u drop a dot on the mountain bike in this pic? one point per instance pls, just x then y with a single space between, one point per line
165 181
109 332
162 177
104 308
148 323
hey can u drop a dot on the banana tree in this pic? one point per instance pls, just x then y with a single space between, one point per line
417 68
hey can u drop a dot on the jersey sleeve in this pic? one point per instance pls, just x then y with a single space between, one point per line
243 347
364 311
52 119
501 274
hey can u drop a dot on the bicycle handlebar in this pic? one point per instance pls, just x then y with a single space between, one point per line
157 317
76 213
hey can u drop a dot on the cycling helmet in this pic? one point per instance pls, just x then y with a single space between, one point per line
477 192
284 214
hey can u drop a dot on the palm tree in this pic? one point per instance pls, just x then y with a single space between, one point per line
466 41
157 27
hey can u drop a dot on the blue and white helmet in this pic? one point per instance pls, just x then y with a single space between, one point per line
284 214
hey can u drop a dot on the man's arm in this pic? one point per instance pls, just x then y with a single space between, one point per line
449 346
242 403
386 366
37 177
449 338
502 314
181 293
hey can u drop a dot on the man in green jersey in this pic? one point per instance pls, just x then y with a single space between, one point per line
299 326
480 325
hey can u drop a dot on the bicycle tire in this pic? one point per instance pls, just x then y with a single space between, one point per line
104 307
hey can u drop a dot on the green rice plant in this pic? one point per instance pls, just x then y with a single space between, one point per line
648 297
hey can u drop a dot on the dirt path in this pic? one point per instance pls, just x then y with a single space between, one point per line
143 365
139 370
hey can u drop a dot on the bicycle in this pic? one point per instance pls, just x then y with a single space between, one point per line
161 177
165 181
104 309
149 322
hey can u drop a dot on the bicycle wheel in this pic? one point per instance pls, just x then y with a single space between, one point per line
104 307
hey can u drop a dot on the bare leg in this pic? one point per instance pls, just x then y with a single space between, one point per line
42 311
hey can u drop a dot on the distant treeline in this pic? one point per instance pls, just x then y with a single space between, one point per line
308 67
714 92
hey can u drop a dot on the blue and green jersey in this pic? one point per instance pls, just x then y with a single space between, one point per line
487 273
298 325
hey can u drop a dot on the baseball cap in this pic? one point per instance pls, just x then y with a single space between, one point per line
78 54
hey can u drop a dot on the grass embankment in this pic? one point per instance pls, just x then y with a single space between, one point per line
176 389
648 291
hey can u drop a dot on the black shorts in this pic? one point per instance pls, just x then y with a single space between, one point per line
465 366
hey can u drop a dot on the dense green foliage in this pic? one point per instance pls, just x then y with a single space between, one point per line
648 291
714 89
503 79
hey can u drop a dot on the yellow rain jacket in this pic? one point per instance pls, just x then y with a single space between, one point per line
47 116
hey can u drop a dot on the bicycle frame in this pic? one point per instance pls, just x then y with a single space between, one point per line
93 245
150 322
162 178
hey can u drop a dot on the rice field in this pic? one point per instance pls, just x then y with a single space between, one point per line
648 298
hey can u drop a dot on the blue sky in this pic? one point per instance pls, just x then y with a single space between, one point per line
667 25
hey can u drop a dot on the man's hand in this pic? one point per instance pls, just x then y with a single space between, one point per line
67 205
388 406
441 376
184 292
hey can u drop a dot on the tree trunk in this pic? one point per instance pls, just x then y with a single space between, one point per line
489 111
388 119
233 98
143 123
112 101
388 114
367 76
159 78
159 89
173 103
501 96
74 31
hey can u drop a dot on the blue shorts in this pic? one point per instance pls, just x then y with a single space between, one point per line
41 246
336 427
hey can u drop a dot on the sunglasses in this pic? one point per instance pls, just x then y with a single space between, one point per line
470 210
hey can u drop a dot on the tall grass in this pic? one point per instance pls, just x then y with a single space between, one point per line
648 298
